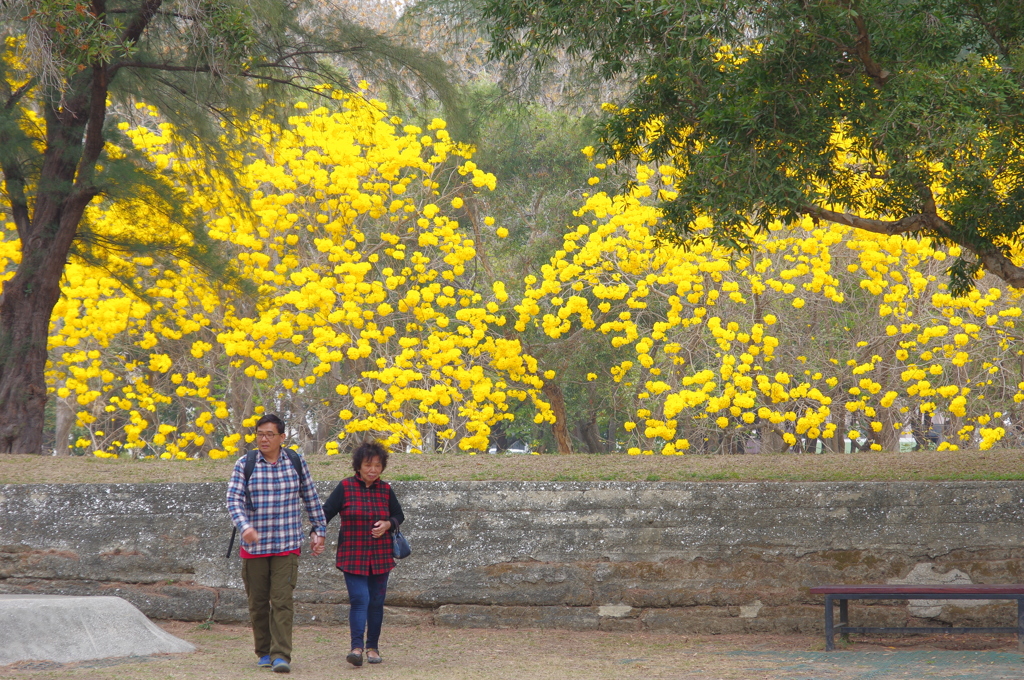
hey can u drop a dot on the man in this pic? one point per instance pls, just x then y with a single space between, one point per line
271 526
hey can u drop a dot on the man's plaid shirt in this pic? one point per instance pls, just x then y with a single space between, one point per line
359 506
276 504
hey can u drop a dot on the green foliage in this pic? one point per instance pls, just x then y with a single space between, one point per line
231 27
74 36
458 29
543 174
907 115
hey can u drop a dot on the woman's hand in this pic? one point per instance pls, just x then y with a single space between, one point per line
380 527
316 544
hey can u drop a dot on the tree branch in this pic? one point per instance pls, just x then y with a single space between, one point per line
999 42
868 170
145 14
995 262
206 68
16 96
93 145
198 68
907 225
289 82
278 63
248 73
14 184
863 45
10 166
990 256
163 13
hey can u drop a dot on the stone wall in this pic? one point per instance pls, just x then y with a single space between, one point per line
686 557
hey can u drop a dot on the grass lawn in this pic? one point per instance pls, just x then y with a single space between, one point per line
908 466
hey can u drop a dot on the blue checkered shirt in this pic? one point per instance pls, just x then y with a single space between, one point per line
276 499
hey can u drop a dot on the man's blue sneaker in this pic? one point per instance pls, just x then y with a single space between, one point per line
281 666
264 661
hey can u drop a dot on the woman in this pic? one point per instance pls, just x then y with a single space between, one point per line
369 511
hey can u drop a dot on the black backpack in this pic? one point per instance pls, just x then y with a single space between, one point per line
250 465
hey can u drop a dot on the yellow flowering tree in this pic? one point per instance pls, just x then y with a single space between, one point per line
820 333
355 311
70 70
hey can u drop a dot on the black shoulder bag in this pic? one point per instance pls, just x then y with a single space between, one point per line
400 545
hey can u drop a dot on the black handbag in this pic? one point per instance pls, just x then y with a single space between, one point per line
401 546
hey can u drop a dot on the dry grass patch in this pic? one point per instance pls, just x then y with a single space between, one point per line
912 466
430 653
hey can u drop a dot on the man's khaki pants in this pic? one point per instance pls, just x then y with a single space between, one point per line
269 582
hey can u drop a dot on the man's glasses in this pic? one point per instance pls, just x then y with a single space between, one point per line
267 435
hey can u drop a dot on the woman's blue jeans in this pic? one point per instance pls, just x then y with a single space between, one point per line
366 607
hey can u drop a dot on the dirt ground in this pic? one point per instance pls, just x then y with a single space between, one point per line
431 653
920 465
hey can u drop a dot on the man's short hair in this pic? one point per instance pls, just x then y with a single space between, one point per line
271 418
369 451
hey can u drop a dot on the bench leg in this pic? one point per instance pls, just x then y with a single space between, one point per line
844 618
830 644
1020 624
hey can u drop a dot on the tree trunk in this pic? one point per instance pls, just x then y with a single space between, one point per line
74 140
920 428
24 322
323 433
837 442
771 440
65 420
888 437
240 402
611 443
26 304
560 427
590 435
499 436
306 437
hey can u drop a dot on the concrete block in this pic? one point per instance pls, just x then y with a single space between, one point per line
551 551
70 629
232 606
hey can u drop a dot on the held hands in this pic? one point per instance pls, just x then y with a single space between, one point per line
316 544
380 528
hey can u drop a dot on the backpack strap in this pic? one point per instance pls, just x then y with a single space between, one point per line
250 465
293 456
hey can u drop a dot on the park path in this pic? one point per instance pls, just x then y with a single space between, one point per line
430 653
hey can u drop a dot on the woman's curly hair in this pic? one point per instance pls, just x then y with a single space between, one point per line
369 451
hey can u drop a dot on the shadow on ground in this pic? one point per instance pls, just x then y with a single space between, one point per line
880 665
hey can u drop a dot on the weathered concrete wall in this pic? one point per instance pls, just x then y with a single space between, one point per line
701 557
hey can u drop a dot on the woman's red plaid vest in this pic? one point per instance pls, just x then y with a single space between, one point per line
358 551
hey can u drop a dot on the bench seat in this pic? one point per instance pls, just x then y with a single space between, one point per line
968 591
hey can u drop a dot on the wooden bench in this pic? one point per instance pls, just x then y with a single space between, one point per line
916 592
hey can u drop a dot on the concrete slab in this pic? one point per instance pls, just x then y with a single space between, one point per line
69 629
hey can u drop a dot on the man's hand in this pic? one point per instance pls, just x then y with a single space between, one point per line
316 544
250 535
